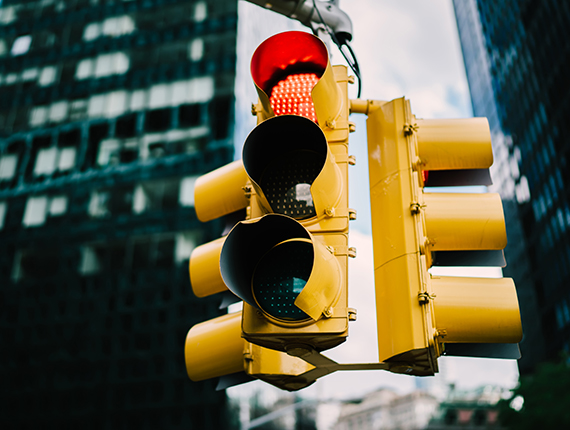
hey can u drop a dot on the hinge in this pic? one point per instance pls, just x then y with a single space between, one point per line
424 297
345 250
410 129
416 207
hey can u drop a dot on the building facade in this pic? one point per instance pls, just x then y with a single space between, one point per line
469 410
385 409
516 58
110 109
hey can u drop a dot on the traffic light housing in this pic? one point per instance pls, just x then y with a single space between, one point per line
286 257
421 317
287 260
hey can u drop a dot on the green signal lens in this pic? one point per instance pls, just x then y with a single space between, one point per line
279 278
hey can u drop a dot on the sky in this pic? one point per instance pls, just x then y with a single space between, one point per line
405 48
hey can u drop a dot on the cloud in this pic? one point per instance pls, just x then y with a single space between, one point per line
410 48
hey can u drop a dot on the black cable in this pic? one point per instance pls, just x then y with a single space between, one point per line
353 64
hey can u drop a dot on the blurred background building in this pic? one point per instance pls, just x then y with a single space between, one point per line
109 111
517 57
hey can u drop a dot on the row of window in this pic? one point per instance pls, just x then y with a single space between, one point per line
108 64
116 103
113 27
144 197
47 161
164 250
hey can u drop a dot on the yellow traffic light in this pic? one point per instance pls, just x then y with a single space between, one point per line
288 259
292 282
215 348
420 316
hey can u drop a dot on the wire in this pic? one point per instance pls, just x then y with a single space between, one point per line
352 62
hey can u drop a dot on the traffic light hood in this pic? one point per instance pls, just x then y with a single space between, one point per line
295 54
291 167
275 265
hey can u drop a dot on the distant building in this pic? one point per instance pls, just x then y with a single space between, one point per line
386 410
471 410
517 60
109 111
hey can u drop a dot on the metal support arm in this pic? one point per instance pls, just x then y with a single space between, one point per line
305 12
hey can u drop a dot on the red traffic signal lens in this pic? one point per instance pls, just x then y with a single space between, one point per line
292 96
286 68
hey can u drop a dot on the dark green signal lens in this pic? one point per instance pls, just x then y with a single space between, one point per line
280 276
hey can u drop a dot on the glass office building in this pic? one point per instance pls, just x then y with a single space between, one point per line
517 57
109 110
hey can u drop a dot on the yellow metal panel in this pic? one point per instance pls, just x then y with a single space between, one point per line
264 362
327 187
327 99
386 158
204 267
323 287
215 348
391 193
456 221
403 323
400 317
454 143
220 192
476 310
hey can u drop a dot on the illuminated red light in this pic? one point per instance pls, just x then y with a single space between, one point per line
292 96
425 174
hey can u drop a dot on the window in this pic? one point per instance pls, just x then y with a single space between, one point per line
200 89
45 161
66 158
159 96
200 12
196 49
97 105
78 109
38 116
21 45
186 197
156 195
58 206
47 76
98 204
3 210
30 74
114 151
51 159
11 78
92 31
89 261
7 14
118 200
8 164
110 64
116 103
104 65
118 26
35 212
58 111
185 243
84 69
138 100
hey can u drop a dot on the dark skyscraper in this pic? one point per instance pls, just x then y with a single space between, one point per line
517 59
109 110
